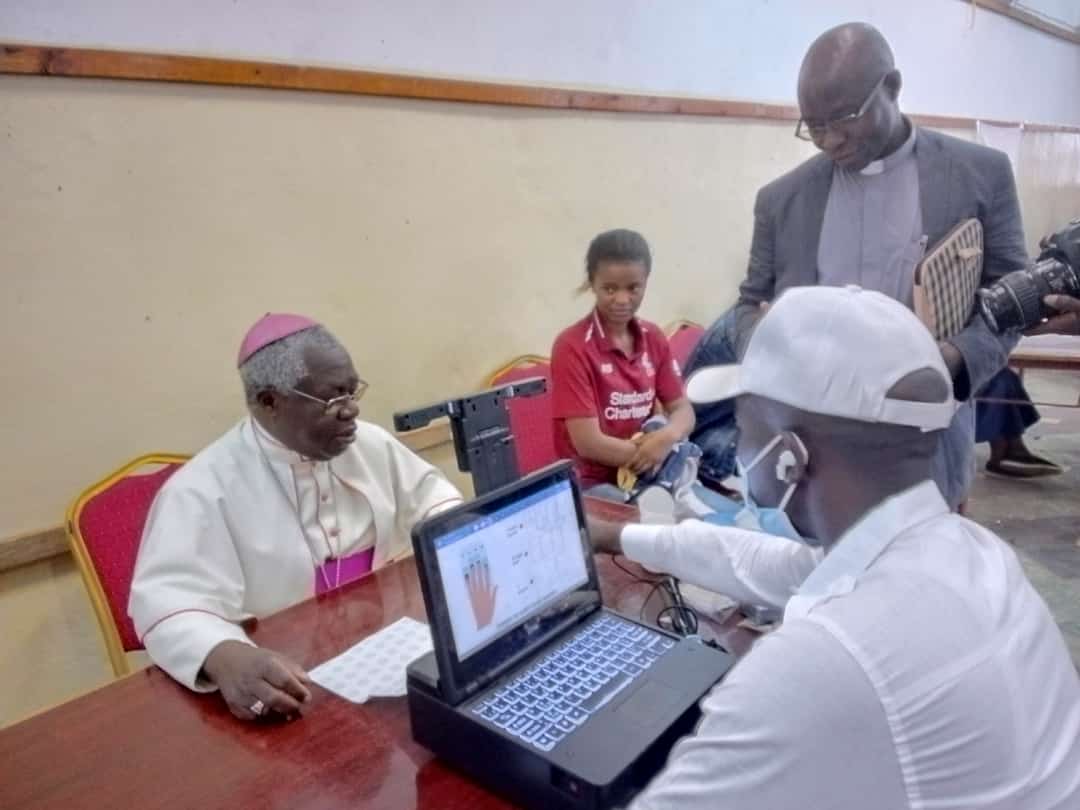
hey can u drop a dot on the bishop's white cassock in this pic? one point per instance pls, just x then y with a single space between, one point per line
239 532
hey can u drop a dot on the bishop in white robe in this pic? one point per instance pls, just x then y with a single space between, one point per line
297 499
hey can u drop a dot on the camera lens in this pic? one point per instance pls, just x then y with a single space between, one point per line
1011 302
1015 302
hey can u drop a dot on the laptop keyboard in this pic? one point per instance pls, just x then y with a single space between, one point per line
557 693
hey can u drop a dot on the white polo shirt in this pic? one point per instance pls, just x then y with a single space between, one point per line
916 668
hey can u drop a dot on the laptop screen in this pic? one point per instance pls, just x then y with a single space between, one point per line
511 565
504 575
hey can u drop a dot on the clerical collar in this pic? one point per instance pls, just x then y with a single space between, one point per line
275 450
889 162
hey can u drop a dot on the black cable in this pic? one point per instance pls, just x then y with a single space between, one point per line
635 576
687 617
657 584
686 623
682 621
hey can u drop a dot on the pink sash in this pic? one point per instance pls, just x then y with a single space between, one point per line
334 573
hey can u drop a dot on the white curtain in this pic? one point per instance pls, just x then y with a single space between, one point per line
1047 168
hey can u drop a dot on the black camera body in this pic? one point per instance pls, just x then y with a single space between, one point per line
1015 302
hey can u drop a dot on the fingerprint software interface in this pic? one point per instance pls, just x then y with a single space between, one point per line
506 567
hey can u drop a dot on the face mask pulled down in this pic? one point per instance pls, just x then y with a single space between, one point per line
770 519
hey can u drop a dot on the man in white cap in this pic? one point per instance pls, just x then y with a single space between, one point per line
916 666
298 499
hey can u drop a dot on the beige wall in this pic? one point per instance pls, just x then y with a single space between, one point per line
144 226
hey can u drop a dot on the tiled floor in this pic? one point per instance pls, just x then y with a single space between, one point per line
51 650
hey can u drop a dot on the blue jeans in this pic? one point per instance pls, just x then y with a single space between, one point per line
715 432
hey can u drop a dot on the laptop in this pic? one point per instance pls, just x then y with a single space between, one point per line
533 688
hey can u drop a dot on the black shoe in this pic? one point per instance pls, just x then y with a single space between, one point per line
1023 468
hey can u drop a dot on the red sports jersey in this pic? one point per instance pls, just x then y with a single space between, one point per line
590 377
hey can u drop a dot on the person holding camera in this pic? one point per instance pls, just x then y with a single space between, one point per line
1065 317
1003 413
1038 300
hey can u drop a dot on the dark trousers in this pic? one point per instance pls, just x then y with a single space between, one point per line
1001 420
715 432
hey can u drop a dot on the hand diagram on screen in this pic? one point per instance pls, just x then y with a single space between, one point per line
481 591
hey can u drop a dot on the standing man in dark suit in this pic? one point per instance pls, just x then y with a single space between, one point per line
865 210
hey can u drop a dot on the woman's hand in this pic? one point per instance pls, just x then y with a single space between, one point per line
652 449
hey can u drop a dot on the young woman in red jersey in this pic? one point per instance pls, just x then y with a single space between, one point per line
612 371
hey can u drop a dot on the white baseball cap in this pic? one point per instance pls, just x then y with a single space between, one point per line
836 351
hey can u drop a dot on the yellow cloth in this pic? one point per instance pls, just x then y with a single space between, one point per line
626 479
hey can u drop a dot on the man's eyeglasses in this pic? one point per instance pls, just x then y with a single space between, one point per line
815 130
334 406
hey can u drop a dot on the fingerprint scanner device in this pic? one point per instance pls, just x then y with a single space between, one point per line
480 425
534 689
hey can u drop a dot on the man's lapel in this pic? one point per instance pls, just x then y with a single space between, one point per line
817 195
935 186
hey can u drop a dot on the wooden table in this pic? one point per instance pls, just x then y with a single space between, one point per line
144 741
1047 353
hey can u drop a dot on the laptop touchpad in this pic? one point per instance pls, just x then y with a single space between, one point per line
650 705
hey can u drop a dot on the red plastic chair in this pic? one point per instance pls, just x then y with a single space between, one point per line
530 417
683 336
105 526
